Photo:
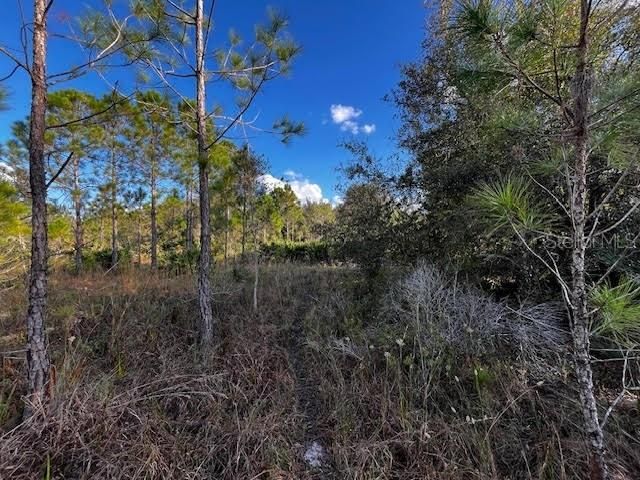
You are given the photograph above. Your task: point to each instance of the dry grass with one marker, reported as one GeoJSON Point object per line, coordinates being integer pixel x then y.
{"type": "Point", "coordinates": [136, 398]}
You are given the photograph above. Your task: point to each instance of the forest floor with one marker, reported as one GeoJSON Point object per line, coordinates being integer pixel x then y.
{"type": "Point", "coordinates": [315, 384]}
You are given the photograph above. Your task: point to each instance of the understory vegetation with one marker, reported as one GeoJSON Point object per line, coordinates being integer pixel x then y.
{"type": "Point", "coordinates": [429, 380]}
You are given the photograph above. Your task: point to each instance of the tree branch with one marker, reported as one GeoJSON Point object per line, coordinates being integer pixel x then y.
{"type": "Point", "coordinates": [88, 117]}
{"type": "Point", "coordinates": [240, 113]}
{"type": "Point", "coordinates": [62, 167]}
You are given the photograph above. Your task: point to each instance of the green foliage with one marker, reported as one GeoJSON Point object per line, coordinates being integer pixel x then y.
{"type": "Point", "coordinates": [13, 212]}
{"type": "Point", "coordinates": [618, 312]}
{"type": "Point", "coordinates": [510, 202]}
{"type": "Point", "coordinates": [308, 252]}
{"type": "Point", "coordinates": [102, 258]}
{"type": "Point", "coordinates": [289, 129]}
{"type": "Point", "coordinates": [477, 19]}
{"type": "Point", "coordinates": [181, 261]}
{"type": "Point", "coordinates": [364, 230]}
{"type": "Point", "coordinates": [3, 98]}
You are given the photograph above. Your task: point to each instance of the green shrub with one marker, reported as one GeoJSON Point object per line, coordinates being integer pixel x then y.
{"type": "Point", "coordinates": [307, 252]}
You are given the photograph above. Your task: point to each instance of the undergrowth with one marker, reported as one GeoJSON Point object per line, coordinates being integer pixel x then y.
{"type": "Point", "coordinates": [394, 395]}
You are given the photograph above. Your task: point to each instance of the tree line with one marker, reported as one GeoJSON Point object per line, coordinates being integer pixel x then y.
{"type": "Point", "coordinates": [126, 183]}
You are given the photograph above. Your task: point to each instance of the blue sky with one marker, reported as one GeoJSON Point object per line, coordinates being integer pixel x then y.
{"type": "Point", "coordinates": [352, 52]}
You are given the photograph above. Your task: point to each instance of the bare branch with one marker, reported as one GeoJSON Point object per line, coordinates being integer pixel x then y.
{"type": "Point", "coordinates": [15, 60]}
{"type": "Point", "coordinates": [7, 77]}
{"type": "Point", "coordinates": [60, 170]}
{"type": "Point", "coordinates": [507, 56]}
{"type": "Point", "coordinates": [619, 222]}
{"type": "Point", "coordinates": [551, 194]}
{"type": "Point", "coordinates": [596, 212]}
{"type": "Point", "coordinates": [240, 113]}
{"type": "Point", "coordinates": [615, 102]}
{"type": "Point", "coordinates": [622, 256]}
{"type": "Point", "coordinates": [181, 10]}
{"type": "Point", "coordinates": [88, 117]}
{"type": "Point", "coordinates": [622, 393]}
{"type": "Point", "coordinates": [48, 7]}
{"type": "Point", "coordinates": [209, 23]}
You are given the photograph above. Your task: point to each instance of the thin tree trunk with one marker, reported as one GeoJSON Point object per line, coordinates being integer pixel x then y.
{"type": "Point", "coordinates": [244, 224]}
{"type": "Point", "coordinates": [114, 213]}
{"type": "Point", "coordinates": [101, 233]}
{"type": "Point", "coordinates": [204, 266]}
{"type": "Point", "coordinates": [139, 238]}
{"type": "Point", "coordinates": [189, 218]}
{"type": "Point", "coordinates": [38, 362]}
{"type": "Point", "coordinates": [257, 263]}
{"type": "Point", "coordinates": [77, 203]}
{"type": "Point", "coordinates": [226, 234]}
{"type": "Point", "coordinates": [255, 281]}
{"type": "Point", "coordinates": [579, 307]}
{"type": "Point", "coordinates": [154, 217]}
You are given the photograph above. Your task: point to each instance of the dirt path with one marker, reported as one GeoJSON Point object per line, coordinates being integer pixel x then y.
{"type": "Point", "coordinates": [317, 456]}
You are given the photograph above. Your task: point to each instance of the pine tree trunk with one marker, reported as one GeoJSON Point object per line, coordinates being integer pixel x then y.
{"type": "Point", "coordinates": [226, 234]}
{"type": "Point", "coordinates": [189, 218]}
{"type": "Point", "coordinates": [38, 363]}
{"type": "Point", "coordinates": [114, 213]}
{"type": "Point", "coordinates": [204, 266]}
{"type": "Point", "coordinates": [579, 299]}
{"type": "Point", "coordinates": [154, 218]}
{"type": "Point", "coordinates": [255, 280]}
{"type": "Point", "coordinates": [244, 225]}
{"type": "Point", "coordinates": [77, 204]}
{"type": "Point", "coordinates": [101, 228]}
{"type": "Point", "coordinates": [139, 242]}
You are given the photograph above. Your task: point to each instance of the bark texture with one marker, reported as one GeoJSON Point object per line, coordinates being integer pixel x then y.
{"type": "Point", "coordinates": [579, 298]}
{"type": "Point", "coordinates": [189, 218]}
{"type": "Point", "coordinates": [77, 207]}
{"type": "Point", "coordinates": [38, 363]}
{"type": "Point", "coordinates": [114, 208]}
{"type": "Point", "coordinates": [154, 216]}
{"type": "Point", "coordinates": [204, 265]}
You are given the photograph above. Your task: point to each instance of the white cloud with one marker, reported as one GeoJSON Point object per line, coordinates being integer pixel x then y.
{"type": "Point", "coordinates": [270, 183]}
{"type": "Point", "coordinates": [350, 126]}
{"type": "Point", "coordinates": [336, 201]}
{"type": "Point", "coordinates": [292, 174]}
{"type": "Point", "coordinates": [344, 113]}
{"type": "Point", "coordinates": [346, 117]}
{"type": "Point", "coordinates": [306, 191]}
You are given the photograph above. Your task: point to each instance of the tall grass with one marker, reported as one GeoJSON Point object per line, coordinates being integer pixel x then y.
{"type": "Point", "coordinates": [396, 392]}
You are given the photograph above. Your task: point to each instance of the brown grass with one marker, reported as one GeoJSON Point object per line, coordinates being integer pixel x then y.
{"type": "Point", "coordinates": [137, 398]}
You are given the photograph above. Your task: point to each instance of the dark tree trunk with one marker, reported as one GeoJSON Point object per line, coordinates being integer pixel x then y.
{"type": "Point", "coordinates": [226, 234]}
{"type": "Point", "coordinates": [579, 298]}
{"type": "Point", "coordinates": [101, 233]}
{"type": "Point", "coordinates": [38, 363]}
{"type": "Point", "coordinates": [114, 210]}
{"type": "Point", "coordinates": [154, 217]}
{"type": "Point", "coordinates": [77, 206]}
{"type": "Point", "coordinates": [139, 242]}
{"type": "Point", "coordinates": [204, 266]}
{"type": "Point", "coordinates": [244, 224]}
{"type": "Point", "coordinates": [189, 218]}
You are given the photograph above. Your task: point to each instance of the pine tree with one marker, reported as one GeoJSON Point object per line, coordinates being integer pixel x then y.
{"type": "Point", "coordinates": [269, 56]}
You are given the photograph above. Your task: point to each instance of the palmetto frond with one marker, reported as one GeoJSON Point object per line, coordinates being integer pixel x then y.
{"type": "Point", "coordinates": [509, 202]}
